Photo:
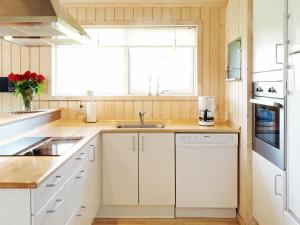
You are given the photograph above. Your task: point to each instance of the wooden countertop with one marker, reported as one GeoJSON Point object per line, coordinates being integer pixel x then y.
{"type": "Point", "coordinates": [6, 118]}
{"type": "Point", "coordinates": [30, 171]}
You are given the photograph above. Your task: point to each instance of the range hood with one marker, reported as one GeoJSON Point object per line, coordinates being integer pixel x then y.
{"type": "Point", "coordinates": [39, 23]}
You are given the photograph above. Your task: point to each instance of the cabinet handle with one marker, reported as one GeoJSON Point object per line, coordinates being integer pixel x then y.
{"type": "Point", "coordinates": [94, 153]}
{"type": "Point", "coordinates": [142, 143]}
{"type": "Point", "coordinates": [82, 155]}
{"type": "Point", "coordinates": [133, 143]}
{"type": "Point", "coordinates": [275, 190]}
{"type": "Point", "coordinates": [81, 175]}
{"type": "Point", "coordinates": [58, 205]}
{"type": "Point", "coordinates": [57, 180]}
{"type": "Point", "coordinates": [80, 214]}
{"type": "Point", "coordinates": [276, 53]}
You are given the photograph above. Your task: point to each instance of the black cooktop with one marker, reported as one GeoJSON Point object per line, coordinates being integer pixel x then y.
{"type": "Point", "coordinates": [39, 146]}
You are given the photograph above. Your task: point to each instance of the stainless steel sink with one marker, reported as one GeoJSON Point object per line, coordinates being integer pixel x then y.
{"type": "Point", "coordinates": [138, 125]}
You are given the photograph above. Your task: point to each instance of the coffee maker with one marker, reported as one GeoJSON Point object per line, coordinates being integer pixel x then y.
{"type": "Point", "coordinates": [207, 108]}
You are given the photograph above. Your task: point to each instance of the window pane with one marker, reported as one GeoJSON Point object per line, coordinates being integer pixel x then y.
{"type": "Point", "coordinates": [172, 68]}
{"type": "Point", "coordinates": [80, 69]}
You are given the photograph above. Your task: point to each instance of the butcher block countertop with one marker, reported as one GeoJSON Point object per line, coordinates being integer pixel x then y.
{"type": "Point", "coordinates": [30, 171]}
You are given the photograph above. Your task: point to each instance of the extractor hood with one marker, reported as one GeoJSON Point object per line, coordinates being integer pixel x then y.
{"type": "Point", "coordinates": [39, 23]}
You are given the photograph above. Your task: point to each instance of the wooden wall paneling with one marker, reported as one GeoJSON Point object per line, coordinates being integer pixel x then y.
{"type": "Point", "coordinates": [222, 67]}
{"type": "Point", "coordinates": [64, 109]}
{"type": "Point", "coordinates": [157, 14]}
{"type": "Point", "coordinates": [185, 14]}
{"type": "Point", "coordinates": [176, 110]}
{"type": "Point", "coordinates": [53, 104]}
{"type": "Point", "coordinates": [45, 69]}
{"type": "Point", "coordinates": [205, 72]}
{"type": "Point", "coordinates": [147, 13]}
{"type": "Point", "coordinates": [138, 14]}
{"type": "Point", "coordinates": [91, 14]}
{"type": "Point", "coordinates": [214, 57]}
{"type": "Point", "coordinates": [109, 110]}
{"type": "Point", "coordinates": [195, 14]}
{"type": "Point", "coordinates": [100, 110]}
{"type": "Point", "coordinates": [119, 110]}
{"type": "Point", "coordinates": [148, 108]}
{"type": "Point", "coordinates": [81, 14]}
{"type": "Point", "coordinates": [166, 110]}
{"type": "Point", "coordinates": [157, 110]}
{"type": "Point", "coordinates": [99, 14]}
{"type": "Point", "coordinates": [185, 107]}
{"type": "Point", "coordinates": [176, 14]}
{"type": "Point", "coordinates": [109, 13]}
{"type": "Point", "coordinates": [6, 69]}
{"type": "Point", "coordinates": [119, 14]}
{"type": "Point", "coordinates": [166, 14]}
{"type": "Point", "coordinates": [35, 59]}
{"type": "Point", "coordinates": [128, 13]}
{"type": "Point", "coordinates": [194, 110]}
{"type": "Point", "coordinates": [44, 104]}
{"type": "Point", "coordinates": [25, 59]}
{"type": "Point", "coordinates": [73, 108]}
{"type": "Point", "coordinates": [72, 11]}
{"type": "Point", "coordinates": [137, 106]}
{"type": "Point", "coordinates": [128, 110]}
{"type": "Point", "coordinates": [15, 68]}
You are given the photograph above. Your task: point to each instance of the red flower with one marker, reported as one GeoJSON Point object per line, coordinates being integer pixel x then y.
{"type": "Point", "coordinates": [40, 78]}
{"type": "Point", "coordinates": [13, 77]}
{"type": "Point", "coordinates": [27, 75]}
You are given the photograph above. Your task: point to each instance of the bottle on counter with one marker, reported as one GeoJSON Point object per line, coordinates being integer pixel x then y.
{"type": "Point", "coordinates": [91, 113]}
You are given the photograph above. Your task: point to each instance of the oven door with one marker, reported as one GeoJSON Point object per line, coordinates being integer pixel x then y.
{"type": "Point", "coordinates": [268, 129]}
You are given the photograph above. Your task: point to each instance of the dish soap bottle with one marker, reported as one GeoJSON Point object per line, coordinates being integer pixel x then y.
{"type": "Point", "coordinates": [91, 114]}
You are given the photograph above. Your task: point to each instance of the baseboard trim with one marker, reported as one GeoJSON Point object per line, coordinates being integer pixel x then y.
{"type": "Point", "coordinates": [205, 213]}
{"type": "Point", "coordinates": [240, 219]}
{"type": "Point", "coordinates": [136, 212]}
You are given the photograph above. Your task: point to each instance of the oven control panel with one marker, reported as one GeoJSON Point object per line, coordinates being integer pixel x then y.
{"type": "Point", "coordinates": [268, 89]}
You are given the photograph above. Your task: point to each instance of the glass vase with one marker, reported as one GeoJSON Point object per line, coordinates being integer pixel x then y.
{"type": "Point", "coordinates": [27, 96]}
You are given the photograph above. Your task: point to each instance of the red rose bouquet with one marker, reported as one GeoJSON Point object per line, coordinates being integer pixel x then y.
{"type": "Point", "coordinates": [27, 84]}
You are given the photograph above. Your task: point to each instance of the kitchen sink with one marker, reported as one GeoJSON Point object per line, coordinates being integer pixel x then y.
{"type": "Point", "coordinates": [139, 125]}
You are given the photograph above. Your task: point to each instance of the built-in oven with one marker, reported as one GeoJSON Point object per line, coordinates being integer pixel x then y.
{"type": "Point", "coordinates": [269, 121]}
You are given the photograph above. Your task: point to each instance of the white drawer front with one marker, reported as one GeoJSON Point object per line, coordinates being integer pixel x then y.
{"type": "Point", "coordinates": [47, 189]}
{"type": "Point", "coordinates": [77, 159]}
{"type": "Point", "coordinates": [53, 212]}
{"type": "Point", "coordinates": [74, 189]}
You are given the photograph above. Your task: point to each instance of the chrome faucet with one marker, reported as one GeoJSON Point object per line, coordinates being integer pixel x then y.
{"type": "Point", "coordinates": [142, 116]}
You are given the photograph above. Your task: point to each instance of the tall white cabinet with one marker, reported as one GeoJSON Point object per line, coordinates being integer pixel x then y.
{"type": "Point", "coordinates": [292, 213]}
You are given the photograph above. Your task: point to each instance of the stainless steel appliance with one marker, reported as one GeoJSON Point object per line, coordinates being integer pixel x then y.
{"type": "Point", "coordinates": [39, 146]}
{"type": "Point", "coordinates": [39, 23]}
{"type": "Point", "coordinates": [269, 121]}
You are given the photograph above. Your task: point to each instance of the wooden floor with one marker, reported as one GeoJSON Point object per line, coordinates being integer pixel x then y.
{"type": "Point", "coordinates": [178, 221]}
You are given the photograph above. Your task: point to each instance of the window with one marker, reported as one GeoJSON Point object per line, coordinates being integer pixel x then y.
{"type": "Point", "coordinates": [129, 61]}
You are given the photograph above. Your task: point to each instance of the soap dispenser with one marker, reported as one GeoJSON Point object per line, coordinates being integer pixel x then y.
{"type": "Point", "coordinates": [91, 114]}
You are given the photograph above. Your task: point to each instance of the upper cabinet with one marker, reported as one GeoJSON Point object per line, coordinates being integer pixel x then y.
{"type": "Point", "coordinates": [268, 34]}
{"type": "Point", "coordinates": [293, 25]}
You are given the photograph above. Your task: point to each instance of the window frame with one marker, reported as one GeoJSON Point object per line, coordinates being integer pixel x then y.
{"type": "Point", "coordinates": [126, 84]}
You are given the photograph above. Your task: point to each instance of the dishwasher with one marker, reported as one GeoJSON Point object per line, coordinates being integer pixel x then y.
{"type": "Point", "coordinates": [206, 175]}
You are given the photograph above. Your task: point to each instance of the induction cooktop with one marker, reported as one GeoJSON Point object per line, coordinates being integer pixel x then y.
{"type": "Point", "coordinates": [39, 146]}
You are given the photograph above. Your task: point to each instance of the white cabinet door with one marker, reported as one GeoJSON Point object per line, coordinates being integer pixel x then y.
{"type": "Point", "coordinates": [294, 25]}
{"type": "Point", "coordinates": [156, 169]}
{"type": "Point", "coordinates": [267, 191]}
{"type": "Point", "coordinates": [293, 136]}
{"type": "Point", "coordinates": [91, 192]}
{"type": "Point", "coordinates": [120, 169]}
{"type": "Point", "coordinates": [268, 19]}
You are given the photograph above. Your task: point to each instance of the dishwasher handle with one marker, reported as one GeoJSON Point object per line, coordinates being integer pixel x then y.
{"type": "Point", "coordinates": [207, 145]}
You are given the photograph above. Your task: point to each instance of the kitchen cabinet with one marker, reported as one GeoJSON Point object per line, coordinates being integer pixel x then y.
{"type": "Point", "coordinates": [293, 25]}
{"type": "Point", "coordinates": [156, 169]}
{"type": "Point", "coordinates": [267, 191]}
{"type": "Point", "coordinates": [70, 195]}
{"type": "Point", "coordinates": [138, 169]}
{"type": "Point", "coordinates": [268, 30]}
{"type": "Point", "coordinates": [120, 169]}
